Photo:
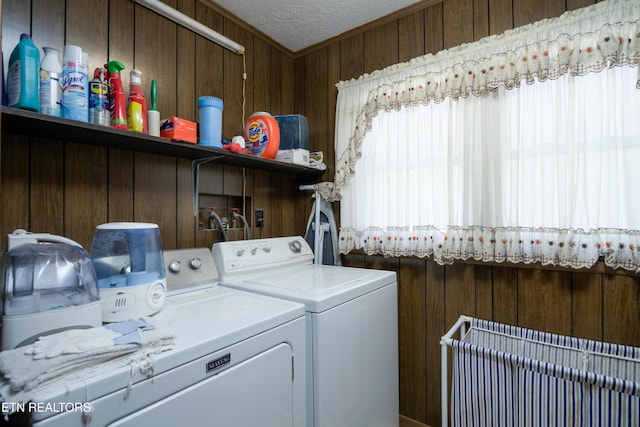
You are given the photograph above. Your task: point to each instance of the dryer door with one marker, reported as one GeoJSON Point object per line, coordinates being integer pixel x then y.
{"type": "Point", "coordinates": [257, 392]}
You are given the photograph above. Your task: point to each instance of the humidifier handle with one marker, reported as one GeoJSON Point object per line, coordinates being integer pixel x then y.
{"type": "Point", "coordinates": [21, 237]}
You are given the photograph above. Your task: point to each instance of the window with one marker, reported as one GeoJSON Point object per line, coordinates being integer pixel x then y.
{"type": "Point", "coordinates": [522, 147]}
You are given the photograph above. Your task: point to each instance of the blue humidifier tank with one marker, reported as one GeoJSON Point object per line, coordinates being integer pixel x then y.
{"type": "Point", "coordinates": [129, 264]}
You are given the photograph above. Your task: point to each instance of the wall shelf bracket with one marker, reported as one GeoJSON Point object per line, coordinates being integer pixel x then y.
{"type": "Point", "coordinates": [195, 171]}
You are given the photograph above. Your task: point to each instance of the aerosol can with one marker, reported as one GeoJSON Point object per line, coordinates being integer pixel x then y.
{"type": "Point", "coordinates": [99, 99]}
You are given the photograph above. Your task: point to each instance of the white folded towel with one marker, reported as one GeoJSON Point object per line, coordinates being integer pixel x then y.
{"type": "Point", "coordinates": [57, 359]}
{"type": "Point", "coordinates": [86, 340]}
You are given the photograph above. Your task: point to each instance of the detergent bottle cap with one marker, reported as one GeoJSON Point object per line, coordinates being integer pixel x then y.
{"type": "Point", "coordinates": [260, 113]}
{"type": "Point", "coordinates": [135, 76]}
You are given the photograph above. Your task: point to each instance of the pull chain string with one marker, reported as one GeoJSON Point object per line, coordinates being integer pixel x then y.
{"type": "Point", "coordinates": [244, 178]}
{"type": "Point", "coordinates": [244, 86]}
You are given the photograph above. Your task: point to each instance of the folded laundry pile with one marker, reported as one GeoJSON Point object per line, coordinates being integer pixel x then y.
{"type": "Point", "coordinates": [57, 359]}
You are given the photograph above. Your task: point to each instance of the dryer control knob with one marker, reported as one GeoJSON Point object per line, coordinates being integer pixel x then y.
{"type": "Point", "coordinates": [195, 263]}
{"type": "Point", "coordinates": [175, 266]}
{"type": "Point", "coordinates": [295, 246]}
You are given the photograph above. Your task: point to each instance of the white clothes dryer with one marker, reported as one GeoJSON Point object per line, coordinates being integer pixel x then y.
{"type": "Point", "coordinates": [238, 361]}
{"type": "Point", "coordinates": [352, 326]}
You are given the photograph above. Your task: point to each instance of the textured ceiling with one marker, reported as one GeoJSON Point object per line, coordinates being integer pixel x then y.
{"type": "Point", "coordinates": [298, 24]}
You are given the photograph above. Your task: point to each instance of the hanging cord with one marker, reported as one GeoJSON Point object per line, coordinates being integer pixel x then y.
{"type": "Point", "coordinates": [244, 178]}
{"type": "Point", "coordinates": [244, 194]}
{"type": "Point", "coordinates": [244, 86]}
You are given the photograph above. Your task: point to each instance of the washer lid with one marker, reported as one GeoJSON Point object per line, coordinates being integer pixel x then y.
{"type": "Point", "coordinates": [319, 287]}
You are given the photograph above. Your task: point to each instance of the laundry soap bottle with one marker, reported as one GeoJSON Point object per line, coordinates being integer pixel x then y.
{"type": "Point", "coordinates": [117, 100]}
{"type": "Point", "coordinates": [136, 104]}
{"type": "Point", "coordinates": [23, 81]}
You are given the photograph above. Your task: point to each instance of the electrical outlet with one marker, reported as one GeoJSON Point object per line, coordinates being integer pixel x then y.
{"type": "Point", "coordinates": [259, 218]}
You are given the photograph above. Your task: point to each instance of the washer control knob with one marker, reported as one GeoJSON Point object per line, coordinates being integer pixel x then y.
{"type": "Point", "coordinates": [175, 266]}
{"type": "Point", "coordinates": [253, 251]}
{"type": "Point", "coordinates": [195, 263]}
{"type": "Point", "coordinates": [240, 252]}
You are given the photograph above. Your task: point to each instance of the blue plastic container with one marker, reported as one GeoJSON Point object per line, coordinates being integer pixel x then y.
{"type": "Point", "coordinates": [23, 82]}
{"type": "Point", "coordinates": [210, 109]}
{"type": "Point", "coordinates": [294, 132]}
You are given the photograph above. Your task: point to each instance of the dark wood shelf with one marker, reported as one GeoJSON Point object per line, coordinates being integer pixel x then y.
{"type": "Point", "coordinates": [34, 124]}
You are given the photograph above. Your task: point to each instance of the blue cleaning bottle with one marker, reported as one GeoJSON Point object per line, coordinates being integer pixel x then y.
{"type": "Point", "coordinates": [23, 83]}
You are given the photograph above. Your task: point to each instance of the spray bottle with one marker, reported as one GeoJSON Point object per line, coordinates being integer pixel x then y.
{"type": "Point", "coordinates": [136, 104]}
{"type": "Point", "coordinates": [117, 100]}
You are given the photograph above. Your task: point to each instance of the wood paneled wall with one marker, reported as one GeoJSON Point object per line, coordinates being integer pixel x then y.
{"type": "Point", "coordinates": [67, 188]}
{"type": "Point", "coordinates": [49, 185]}
{"type": "Point", "coordinates": [598, 304]}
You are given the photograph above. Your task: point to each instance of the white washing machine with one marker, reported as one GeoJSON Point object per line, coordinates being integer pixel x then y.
{"type": "Point", "coordinates": [352, 326]}
{"type": "Point", "coordinates": [238, 361]}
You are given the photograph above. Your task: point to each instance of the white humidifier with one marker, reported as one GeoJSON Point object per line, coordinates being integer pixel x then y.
{"type": "Point", "coordinates": [49, 286]}
{"type": "Point", "coordinates": [129, 264]}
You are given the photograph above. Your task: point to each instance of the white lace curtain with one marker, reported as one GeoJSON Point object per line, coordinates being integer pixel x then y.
{"type": "Point", "coordinates": [451, 156]}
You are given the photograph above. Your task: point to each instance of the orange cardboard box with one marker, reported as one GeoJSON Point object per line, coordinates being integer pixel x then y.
{"type": "Point", "coordinates": [178, 129]}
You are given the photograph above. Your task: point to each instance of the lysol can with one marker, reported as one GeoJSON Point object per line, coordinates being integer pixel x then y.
{"type": "Point", "coordinates": [99, 99]}
{"type": "Point", "coordinates": [75, 85]}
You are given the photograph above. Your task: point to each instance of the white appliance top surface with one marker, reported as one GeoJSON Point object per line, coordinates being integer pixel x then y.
{"type": "Point", "coordinates": [213, 318]}
{"type": "Point", "coordinates": [318, 287]}
{"type": "Point", "coordinates": [204, 321]}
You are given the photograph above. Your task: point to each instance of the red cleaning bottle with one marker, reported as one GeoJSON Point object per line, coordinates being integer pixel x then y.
{"type": "Point", "coordinates": [136, 104]}
{"type": "Point", "coordinates": [117, 100]}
